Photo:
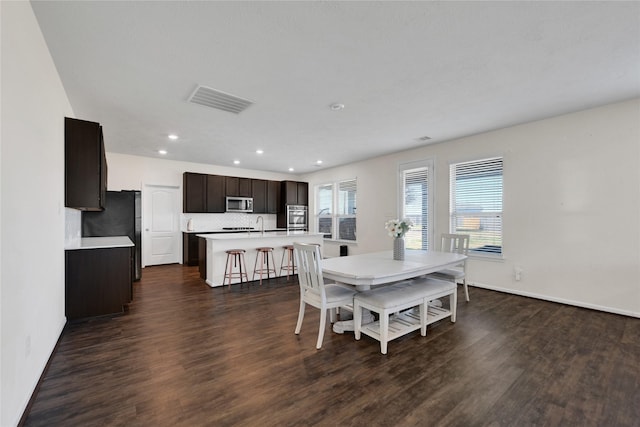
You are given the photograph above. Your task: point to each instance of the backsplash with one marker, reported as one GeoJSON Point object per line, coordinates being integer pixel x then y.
{"type": "Point", "coordinates": [212, 222]}
{"type": "Point", "coordinates": [72, 227]}
{"type": "Point", "coordinates": [201, 222]}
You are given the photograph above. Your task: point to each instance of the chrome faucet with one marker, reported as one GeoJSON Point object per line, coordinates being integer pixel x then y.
{"type": "Point", "coordinates": [261, 224]}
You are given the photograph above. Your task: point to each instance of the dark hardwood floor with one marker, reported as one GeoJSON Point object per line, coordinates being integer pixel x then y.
{"type": "Point", "coordinates": [188, 355]}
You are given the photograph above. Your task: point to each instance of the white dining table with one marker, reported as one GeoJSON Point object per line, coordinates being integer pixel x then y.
{"type": "Point", "coordinates": [365, 271]}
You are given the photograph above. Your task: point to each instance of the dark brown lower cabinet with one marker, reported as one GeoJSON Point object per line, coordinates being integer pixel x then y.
{"type": "Point", "coordinates": [189, 249]}
{"type": "Point", "coordinates": [98, 281]}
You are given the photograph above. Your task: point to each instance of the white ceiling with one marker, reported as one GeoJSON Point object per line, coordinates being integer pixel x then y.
{"type": "Point", "coordinates": [403, 70]}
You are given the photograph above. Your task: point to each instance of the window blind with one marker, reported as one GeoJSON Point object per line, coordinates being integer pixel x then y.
{"type": "Point", "coordinates": [416, 206]}
{"type": "Point", "coordinates": [476, 203]}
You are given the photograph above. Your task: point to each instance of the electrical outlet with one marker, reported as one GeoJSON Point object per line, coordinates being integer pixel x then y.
{"type": "Point", "coordinates": [517, 270]}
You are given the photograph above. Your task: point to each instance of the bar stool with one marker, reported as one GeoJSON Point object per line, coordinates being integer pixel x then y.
{"type": "Point", "coordinates": [291, 262]}
{"type": "Point", "coordinates": [264, 254]}
{"type": "Point", "coordinates": [235, 258]}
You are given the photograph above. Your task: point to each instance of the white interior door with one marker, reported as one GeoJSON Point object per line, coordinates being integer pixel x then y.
{"type": "Point", "coordinates": [161, 231]}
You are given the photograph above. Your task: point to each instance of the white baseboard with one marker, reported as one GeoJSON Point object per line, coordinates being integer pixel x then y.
{"type": "Point", "coordinates": [558, 300]}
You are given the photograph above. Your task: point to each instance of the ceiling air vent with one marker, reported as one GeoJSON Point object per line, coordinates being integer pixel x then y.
{"type": "Point", "coordinates": [220, 100]}
{"type": "Point", "coordinates": [424, 138]}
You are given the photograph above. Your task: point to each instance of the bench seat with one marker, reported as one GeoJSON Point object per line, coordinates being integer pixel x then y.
{"type": "Point", "coordinates": [391, 300]}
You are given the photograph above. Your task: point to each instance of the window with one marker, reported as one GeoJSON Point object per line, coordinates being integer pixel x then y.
{"type": "Point", "coordinates": [336, 210]}
{"type": "Point", "coordinates": [417, 202]}
{"type": "Point", "coordinates": [476, 204]}
{"type": "Point", "coordinates": [324, 203]}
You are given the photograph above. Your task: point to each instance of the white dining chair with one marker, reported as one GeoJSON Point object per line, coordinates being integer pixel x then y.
{"type": "Point", "coordinates": [313, 290]}
{"type": "Point", "coordinates": [456, 243]}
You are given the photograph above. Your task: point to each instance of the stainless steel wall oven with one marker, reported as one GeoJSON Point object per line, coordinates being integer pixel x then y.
{"type": "Point", "coordinates": [296, 217]}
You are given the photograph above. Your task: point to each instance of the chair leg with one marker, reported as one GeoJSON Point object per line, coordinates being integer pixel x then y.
{"type": "Point", "coordinates": [466, 288]}
{"type": "Point", "coordinates": [384, 331]}
{"type": "Point", "coordinates": [300, 316]}
{"type": "Point", "coordinates": [323, 322]}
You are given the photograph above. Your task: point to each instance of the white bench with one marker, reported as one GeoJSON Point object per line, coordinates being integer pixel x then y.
{"type": "Point", "coordinates": [402, 296]}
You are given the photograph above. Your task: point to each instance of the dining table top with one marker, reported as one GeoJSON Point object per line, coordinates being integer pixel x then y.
{"type": "Point", "coordinates": [377, 268]}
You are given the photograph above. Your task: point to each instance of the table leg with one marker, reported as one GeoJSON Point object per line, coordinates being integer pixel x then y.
{"type": "Point", "coordinates": [347, 325]}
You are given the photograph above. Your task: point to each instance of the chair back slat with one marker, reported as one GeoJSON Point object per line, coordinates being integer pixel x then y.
{"type": "Point", "coordinates": [456, 243]}
{"type": "Point", "coordinates": [309, 268]}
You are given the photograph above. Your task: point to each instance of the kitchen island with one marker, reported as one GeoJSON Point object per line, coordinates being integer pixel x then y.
{"type": "Point", "coordinates": [218, 244]}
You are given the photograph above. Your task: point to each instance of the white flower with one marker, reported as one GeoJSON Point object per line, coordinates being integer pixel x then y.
{"type": "Point", "coordinates": [398, 228]}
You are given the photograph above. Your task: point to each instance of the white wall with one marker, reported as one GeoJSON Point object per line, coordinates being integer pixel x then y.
{"type": "Point", "coordinates": [132, 172]}
{"type": "Point", "coordinates": [34, 105]}
{"type": "Point", "coordinates": [571, 205]}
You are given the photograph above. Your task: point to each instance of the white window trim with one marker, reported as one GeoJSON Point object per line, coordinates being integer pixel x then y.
{"type": "Point", "coordinates": [334, 209]}
{"type": "Point", "coordinates": [487, 256]}
{"type": "Point", "coordinates": [430, 165]}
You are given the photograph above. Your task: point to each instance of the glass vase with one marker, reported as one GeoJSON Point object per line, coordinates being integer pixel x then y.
{"type": "Point", "coordinates": [398, 249]}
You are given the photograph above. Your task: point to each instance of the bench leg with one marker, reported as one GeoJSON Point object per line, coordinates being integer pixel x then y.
{"type": "Point", "coordinates": [384, 331]}
{"type": "Point", "coordinates": [357, 319]}
{"type": "Point", "coordinates": [423, 318]}
{"type": "Point", "coordinates": [453, 305]}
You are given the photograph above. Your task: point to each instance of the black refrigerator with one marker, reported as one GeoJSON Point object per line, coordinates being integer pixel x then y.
{"type": "Point", "coordinates": [122, 216]}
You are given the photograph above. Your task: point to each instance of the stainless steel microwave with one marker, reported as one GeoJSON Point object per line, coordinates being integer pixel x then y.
{"type": "Point", "coordinates": [239, 204]}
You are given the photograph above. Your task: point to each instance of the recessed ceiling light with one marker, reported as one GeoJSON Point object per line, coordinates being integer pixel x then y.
{"type": "Point", "coordinates": [236, 162]}
{"type": "Point", "coordinates": [318, 162]}
{"type": "Point", "coordinates": [336, 107]}
{"type": "Point", "coordinates": [163, 152]}
{"type": "Point", "coordinates": [259, 151]}
{"type": "Point", "coordinates": [291, 169]}
{"type": "Point", "coordinates": [173, 136]}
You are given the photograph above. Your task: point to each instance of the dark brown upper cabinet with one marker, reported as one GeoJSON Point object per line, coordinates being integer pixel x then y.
{"type": "Point", "coordinates": [204, 193]}
{"type": "Point", "coordinates": [294, 193]}
{"type": "Point", "coordinates": [216, 200]}
{"type": "Point", "coordinates": [85, 165]}
{"type": "Point", "coordinates": [194, 192]}
{"type": "Point", "coordinates": [273, 196]}
{"type": "Point", "coordinates": [238, 187]}
{"type": "Point", "coordinates": [303, 193]}
{"type": "Point", "coordinates": [259, 194]}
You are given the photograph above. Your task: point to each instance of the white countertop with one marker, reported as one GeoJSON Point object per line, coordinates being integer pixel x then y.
{"type": "Point", "coordinates": [219, 230]}
{"type": "Point", "coordinates": [256, 235]}
{"type": "Point", "coordinates": [100, 243]}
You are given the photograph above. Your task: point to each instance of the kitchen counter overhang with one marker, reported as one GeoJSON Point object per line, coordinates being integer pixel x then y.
{"type": "Point", "coordinates": [99, 243]}
{"type": "Point", "coordinates": [218, 244]}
